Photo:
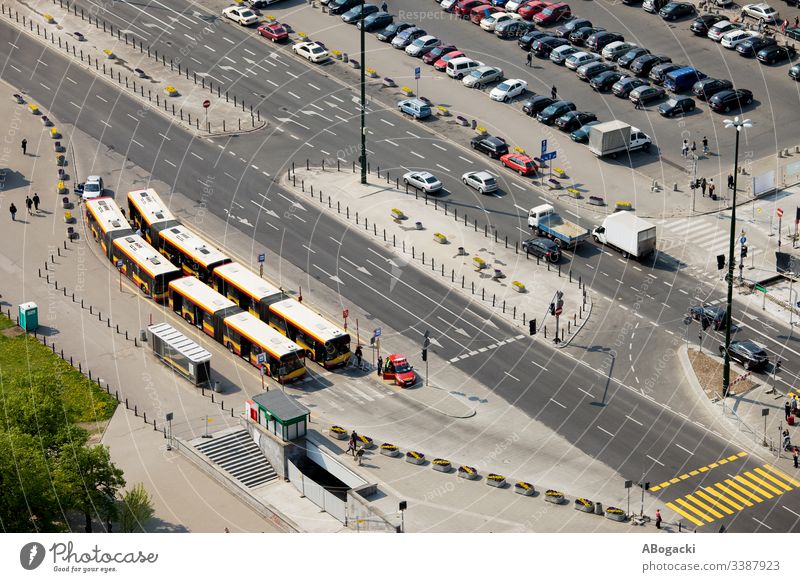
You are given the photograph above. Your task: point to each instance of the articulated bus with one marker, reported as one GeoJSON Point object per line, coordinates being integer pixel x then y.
{"type": "Point", "coordinates": [201, 306]}
{"type": "Point", "coordinates": [145, 266]}
{"type": "Point", "coordinates": [324, 343]}
{"type": "Point", "coordinates": [149, 214]}
{"type": "Point", "coordinates": [190, 253]}
{"type": "Point", "coordinates": [248, 290]}
{"type": "Point", "coordinates": [106, 222]}
{"type": "Point", "coordinates": [250, 338]}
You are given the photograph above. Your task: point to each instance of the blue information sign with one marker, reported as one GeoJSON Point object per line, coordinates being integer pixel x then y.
{"type": "Point", "coordinates": [743, 240]}
{"type": "Point", "coordinates": [417, 72]}
{"type": "Point", "coordinates": [262, 257]}
{"type": "Point", "coordinates": [548, 156]}
{"type": "Point", "coordinates": [544, 146]}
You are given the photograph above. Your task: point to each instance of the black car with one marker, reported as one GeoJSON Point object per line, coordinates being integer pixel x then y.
{"type": "Point", "coordinates": [748, 353]}
{"type": "Point", "coordinates": [565, 30]}
{"type": "Point", "coordinates": [642, 66]}
{"type": "Point", "coordinates": [749, 47]}
{"type": "Point", "coordinates": [627, 59]}
{"type": "Point", "coordinates": [358, 13]}
{"type": "Point", "coordinates": [586, 72]}
{"type": "Point", "coordinates": [388, 33]}
{"type": "Point", "coordinates": [536, 104]}
{"type": "Point", "coordinates": [542, 247]}
{"type": "Point", "coordinates": [704, 89]}
{"type": "Point", "coordinates": [730, 99]}
{"type": "Point", "coordinates": [675, 10]}
{"type": "Point", "coordinates": [526, 41]}
{"type": "Point", "coordinates": [631, 2]}
{"type": "Point", "coordinates": [342, 6]}
{"type": "Point", "coordinates": [775, 54]}
{"type": "Point", "coordinates": [701, 24]}
{"type": "Point", "coordinates": [605, 80]}
{"type": "Point", "coordinates": [544, 46]}
{"type": "Point", "coordinates": [658, 74]}
{"type": "Point", "coordinates": [624, 86]}
{"type": "Point", "coordinates": [549, 114]}
{"type": "Point", "coordinates": [572, 120]}
{"type": "Point", "coordinates": [514, 29]}
{"type": "Point", "coordinates": [709, 315]}
{"type": "Point", "coordinates": [648, 94]}
{"type": "Point", "coordinates": [794, 72]}
{"type": "Point", "coordinates": [376, 21]}
{"type": "Point", "coordinates": [676, 106]}
{"type": "Point", "coordinates": [492, 146]}
{"type": "Point", "coordinates": [578, 36]}
{"type": "Point", "coordinates": [598, 41]}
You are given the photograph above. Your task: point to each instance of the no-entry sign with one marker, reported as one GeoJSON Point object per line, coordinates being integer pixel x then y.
{"type": "Point", "coordinates": [206, 104]}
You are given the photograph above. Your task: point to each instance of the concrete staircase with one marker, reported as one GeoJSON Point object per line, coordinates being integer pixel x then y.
{"type": "Point", "coordinates": [236, 452]}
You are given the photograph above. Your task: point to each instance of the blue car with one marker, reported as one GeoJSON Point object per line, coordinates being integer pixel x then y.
{"type": "Point", "coordinates": [499, 3]}
{"type": "Point", "coordinates": [416, 108]}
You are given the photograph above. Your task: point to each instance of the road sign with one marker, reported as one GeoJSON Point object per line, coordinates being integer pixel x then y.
{"type": "Point", "coordinates": [206, 104]}
{"type": "Point", "coordinates": [377, 332]}
{"type": "Point", "coordinates": [544, 146]}
{"type": "Point", "coordinates": [261, 358]}
{"type": "Point", "coordinates": [119, 264]}
{"type": "Point", "coordinates": [262, 257]}
{"type": "Point", "coordinates": [417, 72]}
{"type": "Point", "coordinates": [547, 156]}
{"type": "Point", "coordinates": [559, 310]}
{"type": "Point", "coordinates": [780, 212]}
{"type": "Point", "coordinates": [742, 240]}
{"type": "Point", "coordinates": [345, 313]}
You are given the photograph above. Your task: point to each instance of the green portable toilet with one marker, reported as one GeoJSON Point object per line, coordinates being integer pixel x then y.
{"type": "Point", "coordinates": [29, 316]}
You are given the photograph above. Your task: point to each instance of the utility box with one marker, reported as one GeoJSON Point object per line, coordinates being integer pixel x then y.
{"type": "Point", "coordinates": [29, 316]}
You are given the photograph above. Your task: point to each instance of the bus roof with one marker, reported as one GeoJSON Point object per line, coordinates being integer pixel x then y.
{"type": "Point", "coordinates": [193, 245]}
{"type": "Point", "coordinates": [304, 318]}
{"type": "Point", "coordinates": [262, 334]}
{"type": "Point", "coordinates": [246, 280]}
{"type": "Point", "coordinates": [150, 205]}
{"type": "Point", "coordinates": [201, 294]}
{"type": "Point", "coordinates": [138, 250]}
{"type": "Point", "coordinates": [107, 214]}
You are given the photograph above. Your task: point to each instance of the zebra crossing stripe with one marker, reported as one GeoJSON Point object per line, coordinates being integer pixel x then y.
{"type": "Point", "coordinates": [782, 475]}
{"type": "Point", "coordinates": [714, 502]}
{"type": "Point", "coordinates": [733, 494]}
{"type": "Point", "coordinates": [763, 483]}
{"type": "Point", "coordinates": [733, 504]}
{"type": "Point", "coordinates": [766, 475]}
{"type": "Point", "coordinates": [696, 511]}
{"type": "Point", "coordinates": [686, 515]}
{"type": "Point", "coordinates": [710, 510]}
{"type": "Point", "coordinates": [741, 489]}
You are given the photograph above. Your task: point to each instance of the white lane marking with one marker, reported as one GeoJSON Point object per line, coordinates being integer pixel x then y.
{"type": "Point", "coordinates": [164, 136]}
{"type": "Point", "coordinates": [291, 74]}
{"type": "Point", "coordinates": [67, 78]}
{"type": "Point", "coordinates": [612, 435]}
{"type": "Point", "coordinates": [309, 249]}
{"type": "Point", "coordinates": [790, 511]}
{"type": "Point", "coordinates": [196, 61]}
{"type": "Point", "coordinates": [442, 167]}
{"type": "Point", "coordinates": [101, 99]}
{"type": "Point", "coordinates": [45, 86]}
{"type": "Point", "coordinates": [338, 242]}
{"type": "Point", "coordinates": [684, 449]}
{"type": "Point", "coordinates": [209, 48]}
{"type": "Point", "coordinates": [510, 376]}
{"type": "Point", "coordinates": [557, 402]}
{"type": "Point", "coordinates": [254, 166]}
{"type": "Point", "coordinates": [170, 163]}
{"type": "Point", "coordinates": [654, 460]}
{"type": "Point", "coordinates": [586, 392]}
{"type": "Point", "coordinates": [668, 284]}
{"type": "Point", "coordinates": [249, 52]}
{"type": "Point", "coordinates": [633, 420]}
{"type": "Point", "coordinates": [334, 97]}
{"type": "Point", "coordinates": [413, 153]}
{"type": "Point", "coordinates": [78, 106]}
{"type": "Point", "coordinates": [412, 134]}
{"type": "Point", "coordinates": [387, 122]}
{"type": "Point", "coordinates": [293, 95]}
{"type": "Point", "coordinates": [436, 145]}
{"type": "Point", "coordinates": [42, 62]}
{"type": "Point", "coordinates": [226, 39]}
{"type": "Point", "coordinates": [195, 155]}
{"type": "Point", "coordinates": [465, 159]}
{"type": "Point", "coordinates": [517, 185]}
{"type": "Point", "coordinates": [271, 82]}
{"type": "Point", "coordinates": [391, 142]}
{"type": "Point", "coordinates": [314, 87]}
{"type": "Point", "coordinates": [762, 523]}
{"type": "Point", "coordinates": [188, 36]}
{"type": "Point", "coordinates": [107, 124]}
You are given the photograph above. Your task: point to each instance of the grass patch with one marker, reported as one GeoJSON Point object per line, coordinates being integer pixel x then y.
{"type": "Point", "coordinates": [24, 359]}
{"type": "Point", "coordinates": [708, 371]}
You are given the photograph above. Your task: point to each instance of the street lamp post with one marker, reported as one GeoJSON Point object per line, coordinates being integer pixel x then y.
{"type": "Point", "coordinates": [738, 124]}
{"type": "Point", "coordinates": [363, 103]}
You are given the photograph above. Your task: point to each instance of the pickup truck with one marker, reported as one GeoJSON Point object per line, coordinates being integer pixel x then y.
{"type": "Point", "coordinates": [630, 235]}
{"type": "Point", "coordinates": [545, 221]}
{"type": "Point", "coordinates": [613, 137]}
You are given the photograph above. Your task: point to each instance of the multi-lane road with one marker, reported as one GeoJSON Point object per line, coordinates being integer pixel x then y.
{"type": "Point", "coordinates": [610, 419]}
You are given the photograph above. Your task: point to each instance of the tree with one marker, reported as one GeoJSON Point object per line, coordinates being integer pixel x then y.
{"type": "Point", "coordinates": [89, 481]}
{"type": "Point", "coordinates": [137, 508]}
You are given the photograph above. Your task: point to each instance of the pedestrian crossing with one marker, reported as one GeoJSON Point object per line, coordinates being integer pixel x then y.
{"type": "Point", "coordinates": [698, 471]}
{"type": "Point", "coordinates": [343, 396]}
{"type": "Point", "coordinates": [707, 233]}
{"type": "Point", "coordinates": [724, 498]}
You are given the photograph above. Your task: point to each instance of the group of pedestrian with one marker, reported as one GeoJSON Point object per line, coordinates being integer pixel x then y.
{"type": "Point", "coordinates": [352, 446]}
{"type": "Point", "coordinates": [32, 204]}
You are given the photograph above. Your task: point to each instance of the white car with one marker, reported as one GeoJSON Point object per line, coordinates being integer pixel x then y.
{"type": "Point", "coordinates": [513, 5]}
{"type": "Point", "coordinates": [507, 90]}
{"type": "Point", "coordinates": [423, 180]}
{"type": "Point", "coordinates": [579, 59]}
{"type": "Point", "coordinates": [559, 54]}
{"type": "Point", "coordinates": [243, 16]}
{"type": "Point", "coordinates": [482, 76]}
{"type": "Point", "coordinates": [763, 12]}
{"type": "Point", "coordinates": [422, 45]}
{"type": "Point", "coordinates": [311, 51]}
{"type": "Point", "coordinates": [93, 187]}
{"type": "Point", "coordinates": [447, 4]}
{"type": "Point", "coordinates": [490, 22]}
{"type": "Point", "coordinates": [616, 49]}
{"type": "Point", "coordinates": [721, 28]}
{"type": "Point", "coordinates": [730, 39]}
{"type": "Point", "coordinates": [482, 181]}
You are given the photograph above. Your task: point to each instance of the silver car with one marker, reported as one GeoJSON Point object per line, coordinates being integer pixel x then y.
{"type": "Point", "coordinates": [422, 45]}
{"type": "Point", "coordinates": [482, 76]}
{"type": "Point", "coordinates": [482, 181]}
{"type": "Point", "coordinates": [579, 59]}
{"type": "Point", "coordinates": [559, 54]}
{"type": "Point", "coordinates": [423, 181]}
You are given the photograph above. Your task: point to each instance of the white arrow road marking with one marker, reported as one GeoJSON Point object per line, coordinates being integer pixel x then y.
{"type": "Point", "coordinates": [292, 202]}
{"type": "Point", "coordinates": [333, 278]}
{"type": "Point", "coordinates": [272, 213]}
{"type": "Point", "coordinates": [290, 120]}
{"type": "Point", "coordinates": [328, 119]}
{"type": "Point", "coordinates": [359, 268]}
{"type": "Point", "coordinates": [456, 329]}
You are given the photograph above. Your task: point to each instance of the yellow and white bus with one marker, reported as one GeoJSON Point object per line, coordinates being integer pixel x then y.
{"type": "Point", "coordinates": [201, 306]}
{"type": "Point", "coordinates": [190, 252]}
{"type": "Point", "coordinates": [254, 340]}
{"type": "Point", "coordinates": [106, 222]}
{"type": "Point", "coordinates": [248, 290]}
{"type": "Point", "coordinates": [149, 214]}
{"type": "Point", "coordinates": [145, 266]}
{"type": "Point", "coordinates": [324, 342]}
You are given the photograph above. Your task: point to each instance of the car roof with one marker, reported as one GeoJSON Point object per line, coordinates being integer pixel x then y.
{"type": "Point", "coordinates": [749, 345]}
{"type": "Point", "coordinates": [483, 175]}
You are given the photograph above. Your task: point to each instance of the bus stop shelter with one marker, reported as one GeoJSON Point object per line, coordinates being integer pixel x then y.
{"type": "Point", "coordinates": [280, 414]}
{"type": "Point", "coordinates": [180, 353]}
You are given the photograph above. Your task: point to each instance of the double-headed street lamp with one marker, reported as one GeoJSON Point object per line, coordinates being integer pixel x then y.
{"type": "Point", "coordinates": [363, 155]}
{"type": "Point", "coordinates": [738, 124]}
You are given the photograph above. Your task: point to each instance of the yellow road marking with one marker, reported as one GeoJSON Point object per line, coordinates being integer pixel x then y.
{"type": "Point", "coordinates": [722, 461]}
{"type": "Point", "coordinates": [713, 465]}
{"type": "Point", "coordinates": [711, 510]}
{"type": "Point", "coordinates": [693, 473]}
{"type": "Point", "coordinates": [766, 475]}
{"type": "Point", "coordinates": [713, 502]}
{"type": "Point", "coordinates": [679, 511]}
{"type": "Point", "coordinates": [674, 480]}
{"type": "Point", "coordinates": [703, 469]}
{"type": "Point", "coordinates": [684, 476]}
{"type": "Point", "coordinates": [694, 510]}
{"type": "Point", "coordinates": [734, 494]}
{"type": "Point", "coordinates": [725, 499]}
{"type": "Point", "coordinates": [754, 487]}
{"type": "Point", "coordinates": [742, 454]}
{"type": "Point", "coordinates": [782, 475]}
{"type": "Point", "coordinates": [763, 483]}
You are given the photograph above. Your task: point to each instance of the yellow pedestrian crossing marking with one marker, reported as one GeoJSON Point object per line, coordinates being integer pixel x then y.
{"type": "Point", "coordinates": [699, 470]}
{"type": "Point", "coordinates": [719, 500]}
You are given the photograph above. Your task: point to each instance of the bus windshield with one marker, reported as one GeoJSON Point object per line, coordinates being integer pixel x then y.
{"type": "Point", "coordinates": [338, 346]}
{"type": "Point", "coordinates": [291, 362]}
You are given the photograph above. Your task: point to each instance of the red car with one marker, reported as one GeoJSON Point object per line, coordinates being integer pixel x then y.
{"type": "Point", "coordinates": [553, 13]}
{"type": "Point", "coordinates": [464, 7]}
{"type": "Point", "coordinates": [531, 9]}
{"type": "Point", "coordinates": [273, 31]}
{"type": "Point", "coordinates": [480, 12]}
{"type": "Point", "coordinates": [398, 369]}
{"type": "Point", "coordinates": [520, 163]}
{"type": "Point", "coordinates": [441, 64]}
{"type": "Point", "coordinates": [437, 53]}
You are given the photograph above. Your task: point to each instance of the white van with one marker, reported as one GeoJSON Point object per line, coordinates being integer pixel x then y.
{"type": "Point", "coordinates": [461, 66]}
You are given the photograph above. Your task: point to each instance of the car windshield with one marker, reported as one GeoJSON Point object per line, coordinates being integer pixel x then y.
{"type": "Point", "coordinates": [317, 50]}
{"type": "Point", "coordinates": [504, 86]}
{"type": "Point", "coordinates": [247, 13]}
{"type": "Point", "coordinates": [278, 30]}
{"type": "Point", "coordinates": [547, 11]}
{"type": "Point", "coordinates": [402, 367]}
{"type": "Point", "coordinates": [430, 179]}
{"type": "Point", "coordinates": [91, 187]}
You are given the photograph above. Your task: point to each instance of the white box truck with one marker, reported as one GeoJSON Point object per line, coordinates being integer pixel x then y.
{"type": "Point", "coordinates": [630, 235]}
{"type": "Point", "coordinates": [613, 137]}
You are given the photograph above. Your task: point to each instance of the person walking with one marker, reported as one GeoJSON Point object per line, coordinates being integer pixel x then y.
{"type": "Point", "coordinates": [24, 147]}
{"type": "Point", "coordinates": [685, 148]}
{"type": "Point", "coordinates": [385, 7]}
{"type": "Point", "coordinates": [694, 147]}
{"type": "Point", "coordinates": [351, 444]}
{"type": "Point", "coordinates": [358, 455]}
{"type": "Point", "coordinates": [36, 202]}
{"type": "Point", "coordinates": [528, 58]}
{"type": "Point", "coordinates": [705, 145]}
{"type": "Point", "coordinates": [786, 409]}
{"type": "Point", "coordinates": [637, 104]}
{"type": "Point", "coordinates": [553, 93]}
{"type": "Point", "coordinates": [730, 181]}
{"type": "Point", "coordinates": [658, 519]}
{"type": "Point", "coordinates": [711, 188]}
{"type": "Point", "coordinates": [13, 210]}
{"type": "Point", "coordinates": [29, 204]}
{"type": "Point", "coordinates": [359, 355]}
{"type": "Point", "coordinates": [703, 185]}
{"type": "Point", "coordinates": [794, 457]}
{"type": "Point", "coordinates": [797, 21]}
{"type": "Point", "coordinates": [379, 365]}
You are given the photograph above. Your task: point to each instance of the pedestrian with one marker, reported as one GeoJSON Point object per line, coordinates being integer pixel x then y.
{"type": "Point", "coordinates": [358, 455]}
{"type": "Point", "coordinates": [730, 181]}
{"type": "Point", "coordinates": [351, 444]}
{"type": "Point", "coordinates": [685, 148]}
{"type": "Point", "coordinates": [13, 210]}
{"type": "Point", "coordinates": [359, 355]}
{"type": "Point", "coordinates": [24, 147]}
{"type": "Point", "coordinates": [528, 58]}
{"type": "Point", "coordinates": [29, 204]}
{"type": "Point", "coordinates": [227, 530]}
{"type": "Point", "coordinates": [637, 104]}
{"type": "Point", "coordinates": [380, 366]}
{"type": "Point", "coordinates": [553, 93]}
{"type": "Point", "coordinates": [793, 407]}
{"type": "Point", "coordinates": [703, 185]}
{"type": "Point", "coordinates": [711, 188]}
{"type": "Point", "coordinates": [794, 457]}
{"type": "Point", "coordinates": [742, 16]}
{"type": "Point", "coordinates": [784, 24]}
{"type": "Point", "coordinates": [36, 201]}
{"type": "Point", "coordinates": [658, 519]}
{"type": "Point", "coordinates": [787, 409]}
{"type": "Point", "coordinates": [385, 7]}
{"type": "Point", "coordinates": [797, 21]}
{"type": "Point", "coordinates": [694, 147]}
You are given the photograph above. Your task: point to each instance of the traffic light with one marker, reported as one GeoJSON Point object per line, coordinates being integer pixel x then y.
{"type": "Point", "coordinates": [744, 251]}
{"type": "Point", "coordinates": [705, 323]}
{"type": "Point", "coordinates": [720, 262]}
{"type": "Point", "coordinates": [424, 355]}
{"type": "Point", "coordinates": [532, 326]}
{"type": "Point", "coordinates": [552, 309]}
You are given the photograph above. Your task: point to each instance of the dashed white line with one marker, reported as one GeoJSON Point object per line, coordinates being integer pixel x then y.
{"type": "Point", "coordinates": [209, 48]}
{"type": "Point", "coordinates": [164, 136]}
{"type": "Point", "coordinates": [195, 155]}
{"type": "Point", "coordinates": [309, 249]}
{"type": "Point", "coordinates": [654, 460]}
{"type": "Point", "coordinates": [684, 449]}
{"type": "Point", "coordinates": [137, 143]}
{"type": "Point", "coordinates": [633, 420]}
{"type": "Point", "coordinates": [557, 402]}
{"type": "Point", "coordinates": [271, 82]}
{"type": "Point", "coordinates": [605, 431]}
{"type": "Point", "coordinates": [78, 106]}
{"type": "Point", "coordinates": [249, 52]}
{"type": "Point", "coordinates": [510, 376]}
{"type": "Point", "coordinates": [762, 523]}
{"type": "Point", "coordinates": [442, 167]}
{"type": "Point", "coordinates": [226, 39]}
{"type": "Point", "coordinates": [293, 95]}
{"type": "Point", "coordinates": [107, 124]}
{"type": "Point", "coordinates": [170, 163]}
{"type": "Point", "coordinates": [413, 153]}
{"type": "Point", "coordinates": [387, 122]}
{"type": "Point", "coordinates": [20, 70]}
{"type": "Point", "coordinates": [465, 159]}
{"type": "Point", "coordinates": [45, 86]}
{"type": "Point", "coordinates": [586, 392]}
{"type": "Point", "coordinates": [436, 145]}
{"type": "Point", "coordinates": [391, 142]}
{"type": "Point", "coordinates": [67, 78]}
{"type": "Point", "coordinates": [314, 87]}
{"type": "Point", "coordinates": [291, 74]}
{"type": "Point", "coordinates": [101, 99]}
{"type": "Point", "coordinates": [42, 62]}
{"type": "Point", "coordinates": [412, 134]}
